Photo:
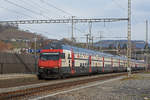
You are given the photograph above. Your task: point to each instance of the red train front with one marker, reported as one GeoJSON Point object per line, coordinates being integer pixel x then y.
{"type": "Point", "coordinates": [49, 62]}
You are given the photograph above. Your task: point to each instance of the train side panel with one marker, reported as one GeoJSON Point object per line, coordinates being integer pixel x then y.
{"type": "Point", "coordinates": [76, 63]}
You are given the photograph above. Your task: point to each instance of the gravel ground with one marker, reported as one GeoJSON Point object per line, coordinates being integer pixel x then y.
{"type": "Point", "coordinates": [137, 87]}
{"type": "Point", "coordinates": [13, 82]}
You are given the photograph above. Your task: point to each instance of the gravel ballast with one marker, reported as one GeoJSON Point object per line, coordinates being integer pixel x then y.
{"type": "Point", "coordinates": [137, 87]}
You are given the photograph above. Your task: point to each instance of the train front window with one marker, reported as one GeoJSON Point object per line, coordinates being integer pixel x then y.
{"type": "Point", "coordinates": [49, 56]}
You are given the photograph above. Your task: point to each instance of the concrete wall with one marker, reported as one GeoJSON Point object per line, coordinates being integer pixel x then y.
{"type": "Point", "coordinates": [16, 63]}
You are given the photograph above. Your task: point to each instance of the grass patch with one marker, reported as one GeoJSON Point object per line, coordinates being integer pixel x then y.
{"type": "Point", "coordinates": [148, 72]}
{"type": "Point", "coordinates": [144, 95]}
{"type": "Point", "coordinates": [133, 77]}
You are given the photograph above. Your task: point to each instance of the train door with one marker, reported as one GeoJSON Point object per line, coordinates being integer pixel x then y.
{"type": "Point", "coordinates": [103, 64]}
{"type": "Point", "coordinates": [112, 64]}
{"type": "Point", "coordinates": [73, 62]}
{"type": "Point", "coordinates": [89, 64]}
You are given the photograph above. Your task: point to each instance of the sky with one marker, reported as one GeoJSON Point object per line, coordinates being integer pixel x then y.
{"type": "Point", "coordinates": [54, 9]}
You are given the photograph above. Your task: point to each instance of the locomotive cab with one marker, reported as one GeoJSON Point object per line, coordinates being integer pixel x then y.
{"type": "Point", "coordinates": [49, 60]}
{"type": "Point", "coordinates": [49, 63]}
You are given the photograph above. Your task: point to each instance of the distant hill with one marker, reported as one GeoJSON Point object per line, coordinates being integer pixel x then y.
{"type": "Point", "coordinates": [106, 43]}
{"type": "Point", "coordinates": [8, 32]}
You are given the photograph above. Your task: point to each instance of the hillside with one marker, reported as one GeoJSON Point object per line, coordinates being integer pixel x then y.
{"type": "Point", "coordinates": [8, 32]}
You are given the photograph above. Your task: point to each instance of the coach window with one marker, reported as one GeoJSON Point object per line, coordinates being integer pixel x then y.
{"type": "Point", "coordinates": [68, 56]}
{"type": "Point", "coordinates": [69, 63]}
{"type": "Point", "coordinates": [80, 64]}
{"type": "Point", "coordinates": [83, 64]}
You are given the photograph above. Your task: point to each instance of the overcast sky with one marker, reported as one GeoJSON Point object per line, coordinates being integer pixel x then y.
{"type": "Point", "coordinates": [46, 9]}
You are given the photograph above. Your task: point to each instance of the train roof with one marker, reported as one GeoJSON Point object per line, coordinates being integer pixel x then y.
{"type": "Point", "coordinates": [60, 45]}
{"type": "Point", "coordinates": [81, 50]}
{"type": "Point", "coordinates": [85, 51]}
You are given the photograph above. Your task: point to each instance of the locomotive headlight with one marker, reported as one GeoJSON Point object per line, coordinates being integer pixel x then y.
{"type": "Point", "coordinates": [41, 69]}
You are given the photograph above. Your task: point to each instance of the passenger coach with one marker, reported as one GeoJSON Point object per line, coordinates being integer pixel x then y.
{"type": "Point", "coordinates": [60, 60]}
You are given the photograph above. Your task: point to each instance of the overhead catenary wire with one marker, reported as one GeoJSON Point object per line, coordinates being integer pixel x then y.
{"type": "Point", "coordinates": [79, 30]}
{"type": "Point", "coordinates": [53, 6]}
{"type": "Point", "coordinates": [33, 4]}
{"type": "Point", "coordinates": [124, 9]}
{"type": "Point", "coordinates": [40, 32]}
{"type": "Point", "coordinates": [17, 12]}
{"type": "Point", "coordinates": [115, 2]}
{"type": "Point", "coordinates": [29, 10]}
{"type": "Point", "coordinates": [44, 8]}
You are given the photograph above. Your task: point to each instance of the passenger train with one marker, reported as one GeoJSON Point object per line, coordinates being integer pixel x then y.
{"type": "Point", "coordinates": [61, 60]}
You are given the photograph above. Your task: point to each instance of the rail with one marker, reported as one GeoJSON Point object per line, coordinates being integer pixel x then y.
{"type": "Point", "coordinates": [21, 94]}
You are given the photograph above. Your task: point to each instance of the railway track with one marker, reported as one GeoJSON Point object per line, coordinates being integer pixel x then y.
{"type": "Point", "coordinates": [31, 92]}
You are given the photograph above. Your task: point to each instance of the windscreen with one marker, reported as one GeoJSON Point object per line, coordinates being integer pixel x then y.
{"type": "Point", "coordinates": [49, 56]}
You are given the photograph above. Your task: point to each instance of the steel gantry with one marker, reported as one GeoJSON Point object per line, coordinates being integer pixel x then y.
{"type": "Point", "coordinates": [70, 20]}
{"type": "Point", "coordinates": [64, 21]}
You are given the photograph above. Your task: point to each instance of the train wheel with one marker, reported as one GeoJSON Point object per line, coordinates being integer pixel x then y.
{"type": "Point", "coordinates": [63, 77]}
{"type": "Point", "coordinates": [40, 77]}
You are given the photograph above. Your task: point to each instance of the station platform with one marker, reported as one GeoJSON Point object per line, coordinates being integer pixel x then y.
{"type": "Point", "coordinates": [7, 80]}
{"type": "Point", "coordinates": [16, 76]}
